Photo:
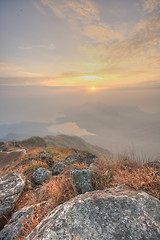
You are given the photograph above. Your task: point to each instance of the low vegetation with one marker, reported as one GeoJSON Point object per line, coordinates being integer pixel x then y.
{"type": "Point", "coordinates": [108, 173]}
{"type": "Point", "coordinates": [133, 173]}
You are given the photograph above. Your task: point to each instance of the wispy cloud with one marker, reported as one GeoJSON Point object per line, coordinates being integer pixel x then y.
{"type": "Point", "coordinates": [108, 53]}
{"type": "Point", "coordinates": [101, 33]}
{"type": "Point", "coordinates": [9, 67]}
{"type": "Point", "coordinates": [150, 5]}
{"type": "Point", "coordinates": [83, 10]}
{"type": "Point", "coordinates": [83, 16]}
{"type": "Point", "coordinates": [145, 85]}
{"type": "Point", "coordinates": [12, 74]}
{"type": "Point", "coordinates": [134, 58]}
{"type": "Point", "coordinates": [20, 81]}
{"type": "Point", "coordinates": [39, 7]}
{"type": "Point", "coordinates": [91, 78]}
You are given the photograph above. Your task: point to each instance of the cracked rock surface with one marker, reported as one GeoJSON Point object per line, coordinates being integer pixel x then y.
{"type": "Point", "coordinates": [114, 214]}
{"type": "Point", "coordinates": [11, 186]}
{"type": "Point", "coordinates": [15, 227]}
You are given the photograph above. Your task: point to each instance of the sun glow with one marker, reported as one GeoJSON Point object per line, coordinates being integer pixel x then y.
{"type": "Point", "coordinates": [93, 88]}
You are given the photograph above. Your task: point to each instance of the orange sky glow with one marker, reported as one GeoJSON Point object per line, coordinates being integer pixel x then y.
{"type": "Point", "coordinates": [109, 44]}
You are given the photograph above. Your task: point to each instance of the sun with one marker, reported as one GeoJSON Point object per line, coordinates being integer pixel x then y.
{"type": "Point", "coordinates": [93, 88]}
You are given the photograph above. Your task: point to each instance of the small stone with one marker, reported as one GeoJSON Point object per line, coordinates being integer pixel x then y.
{"type": "Point", "coordinates": [58, 168]}
{"type": "Point", "coordinates": [72, 158]}
{"type": "Point", "coordinates": [82, 180]}
{"type": "Point", "coordinates": [40, 176]}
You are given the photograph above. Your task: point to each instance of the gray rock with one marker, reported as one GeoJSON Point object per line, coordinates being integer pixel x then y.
{"type": "Point", "coordinates": [82, 180]}
{"type": "Point", "coordinates": [72, 158]}
{"type": "Point", "coordinates": [93, 167]}
{"type": "Point", "coordinates": [40, 176]}
{"type": "Point", "coordinates": [11, 186]}
{"type": "Point", "coordinates": [118, 213]}
{"type": "Point", "coordinates": [15, 227]}
{"type": "Point", "coordinates": [58, 168]}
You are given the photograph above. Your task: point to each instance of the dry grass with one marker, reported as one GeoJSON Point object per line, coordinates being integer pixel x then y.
{"type": "Point", "coordinates": [79, 165]}
{"type": "Point", "coordinates": [59, 154]}
{"type": "Point", "coordinates": [129, 172]}
{"type": "Point", "coordinates": [28, 163]}
{"type": "Point", "coordinates": [60, 189]}
{"type": "Point", "coordinates": [140, 178]}
{"type": "Point", "coordinates": [57, 191]}
{"type": "Point", "coordinates": [39, 212]}
{"type": "Point", "coordinates": [109, 173]}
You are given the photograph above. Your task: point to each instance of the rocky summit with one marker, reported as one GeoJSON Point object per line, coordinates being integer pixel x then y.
{"type": "Point", "coordinates": [117, 213]}
{"type": "Point", "coordinates": [65, 194]}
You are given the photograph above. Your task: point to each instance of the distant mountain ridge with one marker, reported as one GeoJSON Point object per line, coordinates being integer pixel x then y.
{"type": "Point", "coordinates": [119, 128]}
{"type": "Point", "coordinates": [14, 137]}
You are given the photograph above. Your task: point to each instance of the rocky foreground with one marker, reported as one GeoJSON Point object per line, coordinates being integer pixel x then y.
{"type": "Point", "coordinates": [116, 213]}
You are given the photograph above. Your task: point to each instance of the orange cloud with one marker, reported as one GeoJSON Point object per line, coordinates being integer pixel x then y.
{"type": "Point", "coordinates": [101, 33]}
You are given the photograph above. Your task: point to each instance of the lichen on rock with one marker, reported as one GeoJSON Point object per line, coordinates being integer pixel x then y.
{"type": "Point", "coordinates": [118, 213]}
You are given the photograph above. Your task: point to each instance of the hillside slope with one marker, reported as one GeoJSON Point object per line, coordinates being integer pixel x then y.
{"type": "Point", "coordinates": [33, 142]}
{"type": "Point", "coordinates": [65, 141]}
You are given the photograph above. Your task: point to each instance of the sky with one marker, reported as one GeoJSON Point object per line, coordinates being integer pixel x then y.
{"type": "Point", "coordinates": [58, 55]}
{"type": "Point", "coordinates": [83, 43]}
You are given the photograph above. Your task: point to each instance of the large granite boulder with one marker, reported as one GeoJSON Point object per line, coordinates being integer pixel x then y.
{"type": "Point", "coordinates": [16, 226]}
{"type": "Point", "coordinates": [82, 180]}
{"type": "Point", "coordinates": [40, 176]}
{"type": "Point", "coordinates": [11, 186]}
{"type": "Point", "coordinates": [118, 213]}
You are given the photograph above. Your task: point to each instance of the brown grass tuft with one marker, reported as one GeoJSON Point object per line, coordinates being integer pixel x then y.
{"type": "Point", "coordinates": [57, 191]}
{"type": "Point", "coordinates": [129, 172]}
{"type": "Point", "coordinates": [60, 189]}
{"type": "Point", "coordinates": [36, 217]}
{"type": "Point", "coordinates": [140, 178]}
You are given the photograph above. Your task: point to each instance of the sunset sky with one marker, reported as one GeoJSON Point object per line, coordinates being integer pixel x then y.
{"type": "Point", "coordinates": [89, 68]}
{"type": "Point", "coordinates": [88, 43]}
